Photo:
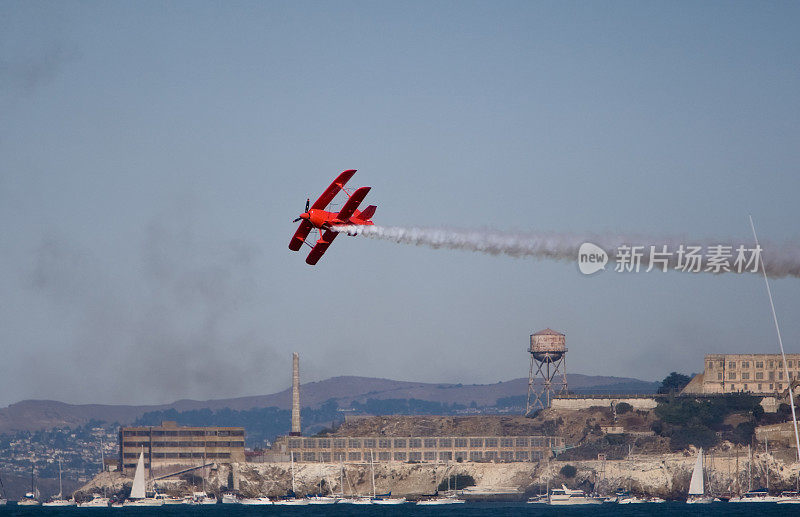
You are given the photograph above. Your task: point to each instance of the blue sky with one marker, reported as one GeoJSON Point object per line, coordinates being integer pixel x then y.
{"type": "Point", "coordinates": [152, 156]}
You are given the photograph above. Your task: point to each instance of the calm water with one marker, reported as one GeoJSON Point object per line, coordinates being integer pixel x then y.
{"type": "Point", "coordinates": [468, 509]}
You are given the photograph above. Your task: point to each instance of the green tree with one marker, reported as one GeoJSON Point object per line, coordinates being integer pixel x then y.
{"type": "Point", "coordinates": [623, 407]}
{"type": "Point", "coordinates": [674, 382]}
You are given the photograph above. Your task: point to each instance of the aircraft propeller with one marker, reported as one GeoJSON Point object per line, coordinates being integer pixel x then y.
{"type": "Point", "coordinates": [308, 202]}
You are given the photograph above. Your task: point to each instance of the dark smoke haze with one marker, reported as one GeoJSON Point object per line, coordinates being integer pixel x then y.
{"type": "Point", "coordinates": [179, 334]}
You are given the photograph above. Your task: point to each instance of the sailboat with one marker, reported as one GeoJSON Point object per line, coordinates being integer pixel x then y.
{"type": "Point", "coordinates": [449, 498]}
{"type": "Point", "coordinates": [138, 495]}
{"type": "Point", "coordinates": [31, 498]}
{"type": "Point", "coordinates": [382, 498]}
{"type": "Point", "coordinates": [98, 501]}
{"type": "Point", "coordinates": [322, 499]}
{"type": "Point", "coordinates": [293, 500]}
{"type": "Point", "coordinates": [697, 491]}
{"type": "Point", "coordinates": [59, 500]}
{"type": "Point", "coordinates": [203, 497]}
{"type": "Point", "coordinates": [348, 499]}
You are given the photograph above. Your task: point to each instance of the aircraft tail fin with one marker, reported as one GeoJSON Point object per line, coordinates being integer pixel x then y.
{"type": "Point", "coordinates": [368, 212]}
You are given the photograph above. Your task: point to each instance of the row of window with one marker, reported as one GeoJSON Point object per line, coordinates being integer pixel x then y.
{"type": "Point", "coordinates": [326, 457]}
{"type": "Point", "coordinates": [758, 364]}
{"type": "Point", "coordinates": [234, 432]}
{"type": "Point", "coordinates": [175, 455]}
{"type": "Point", "coordinates": [745, 376]}
{"type": "Point", "coordinates": [417, 443]}
{"type": "Point", "coordinates": [760, 389]}
{"type": "Point", "coordinates": [183, 444]}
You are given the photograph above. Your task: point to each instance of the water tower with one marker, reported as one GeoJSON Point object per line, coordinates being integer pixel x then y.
{"type": "Point", "coordinates": [548, 364]}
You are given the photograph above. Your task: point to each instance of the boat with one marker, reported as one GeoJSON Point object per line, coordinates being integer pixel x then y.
{"type": "Point", "coordinates": [631, 499]}
{"type": "Point", "coordinates": [358, 500]}
{"type": "Point", "coordinates": [255, 501]}
{"type": "Point", "coordinates": [97, 501]}
{"type": "Point", "coordinates": [450, 496]}
{"type": "Point", "coordinates": [31, 498]}
{"type": "Point", "coordinates": [292, 500]}
{"type": "Point", "coordinates": [138, 495]}
{"type": "Point", "coordinates": [204, 498]}
{"type": "Point", "coordinates": [322, 499]}
{"type": "Point", "coordinates": [789, 499]}
{"type": "Point", "coordinates": [755, 496]}
{"type": "Point", "coordinates": [389, 500]}
{"type": "Point", "coordinates": [451, 499]}
{"type": "Point", "coordinates": [229, 498]}
{"type": "Point", "coordinates": [170, 500]}
{"type": "Point", "coordinates": [59, 500]}
{"type": "Point", "coordinates": [564, 496]}
{"type": "Point", "coordinates": [625, 497]}
{"type": "Point", "coordinates": [697, 491]}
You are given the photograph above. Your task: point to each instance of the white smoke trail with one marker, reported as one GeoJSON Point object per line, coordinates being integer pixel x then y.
{"type": "Point", "coordinates": [780, 261]}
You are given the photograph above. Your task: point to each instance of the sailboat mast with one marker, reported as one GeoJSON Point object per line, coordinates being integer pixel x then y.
{"type": "Point", "coordinates": [749, 468]}
{"type": "Point", "coordinates": [60, 489]}
{"type": "Point", "coordinates": [372, 465]}
{"type": "Point", "coordinates": [780, 342]}
{"type": "Point", "coordinates": [294, 492]}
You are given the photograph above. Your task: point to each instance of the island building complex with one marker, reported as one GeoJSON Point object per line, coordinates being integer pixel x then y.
{"type": "Point", "coordinates": [761, 374]}
{"type": "Point", "coordinates": [422, 449]}
{"type": "Point", "coordinates": [402, 448]}
{"type": "Point", "coordinates": [170, 447]}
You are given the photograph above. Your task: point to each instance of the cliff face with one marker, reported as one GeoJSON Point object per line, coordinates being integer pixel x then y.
{"type": "Point", "coordinates": [662, 475]}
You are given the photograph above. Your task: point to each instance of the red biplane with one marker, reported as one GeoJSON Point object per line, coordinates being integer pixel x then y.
{"type": "Point", "coordinates": [315, 216]}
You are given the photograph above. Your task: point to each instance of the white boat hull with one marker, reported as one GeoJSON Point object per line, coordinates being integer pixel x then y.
{"type": "Point", "coordinates": [291, 502]}
{"type": "Point", "coordinates": [143, 502]}
{"type": "Point", "coordinates": [700, 500]}
{"type": "Point", "coordinates": [399, 500]}
{"type": "Point", "coordinates": [444, 500]}
{"type": "Point", "coordinates": [256, 501]}
{"type": "Point", "coordinates": [101, 502]}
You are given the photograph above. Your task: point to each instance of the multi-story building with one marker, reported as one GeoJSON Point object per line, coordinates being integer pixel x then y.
{"type": "Point", "coordinates": [169, 447]}
{"type": "Point", "coordinates": [424, 449]}
{"type": "Point", "coordinates": [749, 373]}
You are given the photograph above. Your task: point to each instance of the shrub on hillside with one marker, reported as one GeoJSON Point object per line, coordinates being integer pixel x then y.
{"type": "Point", "coordinates": [568, 471]}
{"type": "Point", "coordinates": [624, 407]}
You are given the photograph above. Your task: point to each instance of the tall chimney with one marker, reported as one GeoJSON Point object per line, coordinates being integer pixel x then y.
{"type": "Point", "coordinates": [295, 395]}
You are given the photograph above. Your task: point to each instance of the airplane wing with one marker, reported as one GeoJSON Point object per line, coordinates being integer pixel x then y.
{"type": "Point", "coordinates": [321, 247]}
{"type": "Point", "coordinates": [300, 235]}
{"type": "Point", "coordinates": [352, 203]}
{"type": "Point", "coordinates": [333, 189]}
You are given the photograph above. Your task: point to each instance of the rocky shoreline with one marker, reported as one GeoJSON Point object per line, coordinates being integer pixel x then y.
{"type": "Point", "coordinates": [665, 475]}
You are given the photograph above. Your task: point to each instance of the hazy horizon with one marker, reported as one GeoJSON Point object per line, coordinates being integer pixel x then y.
{"type": "Point", "coordinates": [153, 156]}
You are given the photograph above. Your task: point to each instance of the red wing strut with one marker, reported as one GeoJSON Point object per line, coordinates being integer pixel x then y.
{"type": "Point", "coordinates": [333, 189]}
{"type": "Point", "coordinates": [352, 203]}
{"type": "Point", "coordinates": [321, 247]}
{"type": "Point", "coordinates": [300, 235]}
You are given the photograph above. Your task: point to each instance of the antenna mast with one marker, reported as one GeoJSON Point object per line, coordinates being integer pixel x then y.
{"type": "Point", "coordinates": [780, 341]}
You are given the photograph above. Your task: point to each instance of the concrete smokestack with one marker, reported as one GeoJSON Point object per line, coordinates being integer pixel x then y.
{"type": "Point", "coordinates": [295, 395]}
